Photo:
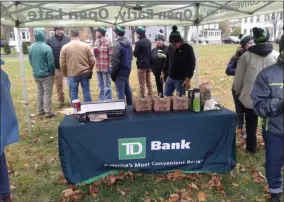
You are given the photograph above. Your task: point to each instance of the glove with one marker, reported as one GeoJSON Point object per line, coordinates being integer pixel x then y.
{"type": "Point", "coordinates": [186, 84]}
{"type": "Point", "coordinates": [161, 55]}
{"type": "Point", "coordinates": [109, 70]}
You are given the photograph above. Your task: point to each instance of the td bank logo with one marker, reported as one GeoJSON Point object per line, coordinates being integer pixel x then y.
{"type": "Point", "coordinates": [135, 148]}
{"type": "Point", "coordinates": [132, 148]}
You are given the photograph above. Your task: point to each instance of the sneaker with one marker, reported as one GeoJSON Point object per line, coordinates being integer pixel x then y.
{"type": "Point", "coordinates": [49, 115]}
{"type": "Point", "coordinates": [40, 113]}
{"type": "Point", "coordinates": [275, 198]}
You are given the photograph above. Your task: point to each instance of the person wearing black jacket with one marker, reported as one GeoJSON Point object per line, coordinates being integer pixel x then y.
{"type": "Point", "coordinates": [142, 52]}
{"type": "Point", "coordinates": [180, 65]}
{"type": "Point", "coordinates": [158, 58]}
{"type": "Point", "coordinates": [56, 42]}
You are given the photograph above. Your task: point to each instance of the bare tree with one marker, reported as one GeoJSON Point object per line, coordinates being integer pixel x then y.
{"type": "Point", "coordinates": [93, 33]}
{"type": "Point", "coordinates": [276, 19]}
{"type": "Point", "coordinates": [133, 34]}
{"type": "Point", "coordinates": [7, 31]}
{"type": "Point", "coordinates": [186, 29]}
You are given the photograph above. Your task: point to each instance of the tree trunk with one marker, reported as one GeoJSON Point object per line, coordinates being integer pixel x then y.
{"type": "Point", "coordinates": [7, 31]}
{"type": "Point", "coordinates": [133, 34]}
{"type": "Point", "coordinates": [186, 28]}
{"type": "Point", "coordinates": [93, 33]}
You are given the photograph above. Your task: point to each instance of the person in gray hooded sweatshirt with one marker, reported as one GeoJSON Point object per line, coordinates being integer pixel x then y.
{"type": "Point", "coordinates": [250, 64]}
{"type": "Point", "coordinates": [121, 65]}
{"type": "Point", "coordinates": [268, 103]}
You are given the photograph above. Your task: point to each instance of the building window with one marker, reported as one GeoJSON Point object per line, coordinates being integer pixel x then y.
{"type": "Point", "coordinates": [281, 15]}
{"type": "Point", "coordinates": [23, 35]}
{"type": "Point", "coordinates": [51, 33]}
{"type": "Point", "coordinates": [245, 31]}
{"type": "Point", "coordinates": [266, 17]}
{"type": "Point", "coordinates": [251, 19]}
{"type": "Point", "coordinates": [12, 36]}
{"type": "Point", "coordinates": [149, 35]}
{"type": "Point", "coordinates": [246, 20]}
{"type": "Point", "coordinates": [250, 31]}
{"type": "Point", "coordinates": [258, 18]}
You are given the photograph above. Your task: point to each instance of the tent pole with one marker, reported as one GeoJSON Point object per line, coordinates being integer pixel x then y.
{"type": "Point", "coordinates": [197, 57]}
{"type": "Point", "coordinates": [23, 80]}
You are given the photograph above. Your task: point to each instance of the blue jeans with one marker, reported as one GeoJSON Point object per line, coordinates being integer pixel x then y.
{"type": "Point", "coordinates": [104, 86]}
{"type": "Point", "coordinates": [123, 89]}
{"type": "Point", "coordinates": [172, 85]}
{"type": "Point", "coordinates": [4, 179]}
{"type": "Point", "coordinates": [74, 82]}
{"type": "Point", "coordinates": [240, 110]}
{"type": "Point", "coordinates": [274, 146]}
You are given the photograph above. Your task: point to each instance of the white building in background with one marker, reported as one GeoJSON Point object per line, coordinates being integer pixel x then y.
{"type": "Point", "coordinates": [26, 35]}
{"type": "Point", "coordinates": [266, 21]}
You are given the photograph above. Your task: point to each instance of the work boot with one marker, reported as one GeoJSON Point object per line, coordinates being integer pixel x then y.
{"type": "Point", "coordinates": [275, 198]}
{"type": "Point", "coordinates": [40, 113]}
{"type": "Point", "coordinates": [49, 115]}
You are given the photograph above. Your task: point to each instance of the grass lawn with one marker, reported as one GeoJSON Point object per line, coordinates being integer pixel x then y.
{"type": "Point", "coordinates": [37, 177]}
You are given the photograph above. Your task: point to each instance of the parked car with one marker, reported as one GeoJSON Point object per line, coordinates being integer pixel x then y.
{"type": "Point", "coordinates": [2, 43]}
{"type": "Point", "coordinates": [235, 39]}
{"type": "Point", "coordinates": [226, 40]}
{"type": "Point", "coordinates": [201, 40]}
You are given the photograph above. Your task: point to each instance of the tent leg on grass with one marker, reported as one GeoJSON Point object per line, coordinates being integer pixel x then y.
{"type": "Point", "coordinates": [197, 57]}
{"type": "Point", "coordinates": [23, 80]}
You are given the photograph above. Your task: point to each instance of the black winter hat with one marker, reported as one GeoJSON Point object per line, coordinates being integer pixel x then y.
{"type": "Point", "coordinates": [56, 28]}
{"type": "Point", "coordinates": [175, 35]}
{"type": "Point", "coordinates": [260, 35]}
{"type": "Point", "coordinates": [160, 37]}
{"type": "Point", "coordinates": [141, 30]}
{"type": "Point", "coordinates": [120, 31]}
{"type": "Point", "coordinates": [102, 30]}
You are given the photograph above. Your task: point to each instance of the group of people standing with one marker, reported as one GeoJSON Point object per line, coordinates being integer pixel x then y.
{"type": "Point", "coordinates": [62, 57]}
{"type": "Point", "coordinates": [258, 72]}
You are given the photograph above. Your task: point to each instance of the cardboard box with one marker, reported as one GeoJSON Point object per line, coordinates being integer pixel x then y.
{"type": "Point", "coordinates": [161, 104]}
{"type": "Point", "coordinates": [180, 103]}
{"type": "Point", "coordinates": [142, 104]}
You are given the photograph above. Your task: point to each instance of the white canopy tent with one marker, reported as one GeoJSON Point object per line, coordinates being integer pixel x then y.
{"type": "Point", "coordinates": [86, 13]}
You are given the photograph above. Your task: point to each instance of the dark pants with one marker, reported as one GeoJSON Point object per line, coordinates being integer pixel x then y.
{"type": "Point", "coordinates": [4, 179]}
{"type": "Point", "coordinates": [274, 146]}
{"type": "Point", "coordinates": [123, 89]}
{"type": "Point", "coordinates": [251, 127]}
{"type": "Point", "coordinates": [240, 110]}
{"type": "Point", "coordinates": [172, 85]}
{"type": "Point", "coordinates": [74, 82]}
{"type": "Point", "coordinates": [159, 83]}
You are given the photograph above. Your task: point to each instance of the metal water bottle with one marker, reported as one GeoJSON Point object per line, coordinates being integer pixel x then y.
{"type": "Point", "coordinates": [196, 100]}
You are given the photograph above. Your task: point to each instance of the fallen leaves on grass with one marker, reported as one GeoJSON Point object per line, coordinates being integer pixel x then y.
{"type": "Point", "coordinates": [26, 164]}
{"type": "Point", "coordinates": [61, 180]}
{"type": "Point", "coordinates": [71, 195]}
{"type": "Point", "coordinates": [94, 190]}
{"type": "Point", "coordinates": [201, 196]}
{"type": "Point", "coordinates": [257, 176]}
{"type": "Point", "coordinates": [192, 186]}
{"type": "Point", "coordinates": [12, 187]}
{"type": "Point", "coordinates": [215, 184]}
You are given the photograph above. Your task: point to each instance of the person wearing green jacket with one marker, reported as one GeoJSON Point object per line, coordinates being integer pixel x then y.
{"type": "Point", "coordinates": [42, 62]}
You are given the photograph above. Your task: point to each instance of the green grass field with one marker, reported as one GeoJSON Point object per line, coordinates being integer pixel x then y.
{"type": "Point", "coordinates": [36, 175]}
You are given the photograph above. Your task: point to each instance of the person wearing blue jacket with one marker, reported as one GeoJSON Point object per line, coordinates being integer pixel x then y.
{"type": "Point", "coordinates": [9, 133]}
{"type": "Point", "coordinates": [268, 103]}
{"type": "Point", "coordinates": [42, 61]}
{"type": "Point", "coordinates": [246, 42]}
{"type": "Point", "coordinates": [121, 65]}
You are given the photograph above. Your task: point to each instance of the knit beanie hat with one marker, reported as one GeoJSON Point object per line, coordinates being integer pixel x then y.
{"type": "Point", "coordinates": [175, 35]}
{"type": "Point", "coordinates": [56, 28]}
{"type": "Point", "coordinates": [245, 39]}
{"type": "Point", "coordinates": [160, 37]}
{"type": "Point", "coordinates": [141, 30]}
{"type": "Point", "coordinates": [102, 30]}
{"type": "Point", "coordinates": [260, 35]}
{"type": "Point", "coordinates": [120, 31]}
{"type": "Point", "coordinates": [281, 44]}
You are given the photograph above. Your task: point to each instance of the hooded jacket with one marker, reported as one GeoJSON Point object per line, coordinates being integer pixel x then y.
{"type": "Point", "coordinates": [121, 58]}
{"type": "Point", "coordinates": [157, 64]}
{"type": "Point", "coordinates": [9, 124]}
{"type": "Point", "coordinates": [267, 94]}
{"type": "Point", "coordinates": [142, 52]}
{"type": "Point", "coordinates": [56, 44]}
{"type": "Point", "coordinates": [250, 64]}
{"type": "Point", "coordinates": [41, 56]}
